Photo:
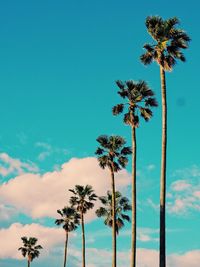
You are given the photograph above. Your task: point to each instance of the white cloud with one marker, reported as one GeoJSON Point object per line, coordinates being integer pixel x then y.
{"type": "Point", "coordinates": [188, 259]}
{"type": "Point", "coordinates": [190, 172]}
{"type": "Point", "coordinates": [148, 234]}
{"type": "Point", "coordinates": [180, 185]}
{"type": "Point", "coordinates": [47, 237]}
{"type": "Point", "coordinates": [41, 195]}
{"type": "Point", "coordinates": [15, 166]}
{"type": "Point", "coordinates": [6, 212]}
{"type": "Point", "coordinates": [145, 258]}
{"type": "Point", "coordinates": [144, 234]}
{"type": "Point", "coordinates": [183, 195]}
{"type": "Point", "coordinates": [52, 240]}
{"type": "Point", "coordinates": [48, 150]}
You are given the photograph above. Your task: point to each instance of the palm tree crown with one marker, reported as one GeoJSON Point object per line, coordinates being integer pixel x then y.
{"type": "Point", "coordinates": [70, 219]}
{"type": "Point", "coordinates": [83, 198]}
{"type": "Point", "coordinates": [169, 41]}
{"type": "Point", "coordinates": [112, 152]}
{"type": "Point", "coordinates": [30, 249]}
{"type": "Point", "coordinates": [140, 99]}
{"type": "Point", "coordinates": [121, 207]}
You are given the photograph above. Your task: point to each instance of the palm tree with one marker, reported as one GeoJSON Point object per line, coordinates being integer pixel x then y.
{"type": "Point", "coordinates": [166, 50]}
{"type": "Point", "coordinates": [122, 206]}
{"type": "Point", "coordinates": [112, 154]}
{"type": "Point", "coordinates": [139, 99]}
{"type": "Point", "coordinates": [70, 220]}
{"type": "Point", "coordinates": [83, 200]}
{"type": "Point", "coordinates": [30, 249]}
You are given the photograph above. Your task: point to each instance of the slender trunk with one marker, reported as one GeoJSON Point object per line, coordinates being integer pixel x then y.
{"type": "Point", "coordinates": [114, 241]}
{"type": "Point", "coordinates": [133, 242]}
{"type": "Point", "coordinates": [29, 263]}
{"type": "Point", "coordinates": [83, 240]}
{"type": "Point", "coordinates": [163, 170]}
{"type": "Point", "coordinates": [65, 252]}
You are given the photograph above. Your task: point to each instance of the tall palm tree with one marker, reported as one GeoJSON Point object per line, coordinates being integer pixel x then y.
{"type": "Point", "coordinates": [166, 50]}
{"type": "Point", "coordinates": [70, 220]}
{"type": "Point", "coordinates": [83, 200]}
{"type": "Point", "coordinates": [121, 208]}
{"type": "Point", "coordinates": [30, 249]}
{"type": "Point", "coordinates": [139, 100]}
{"type": "Point", "coordinates": [112, 154]}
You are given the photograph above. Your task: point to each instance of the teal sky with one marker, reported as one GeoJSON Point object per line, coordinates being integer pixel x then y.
{"type": "Point", "coordinates": [59, 63]}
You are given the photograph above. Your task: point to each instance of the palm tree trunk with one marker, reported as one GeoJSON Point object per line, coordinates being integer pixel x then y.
{"type": "Point", "coordinates": [29, 264]}
{"type": "Point", "coordinates": [114, 241]}
{"type": "Point", "coordinates": [65, 253]}
{"type": "Point", "coordinates": [83, 240]}
{"type": "Point", "coordinates": [133, 242]}
{"type": "Point", "coordinates": [163, 170]}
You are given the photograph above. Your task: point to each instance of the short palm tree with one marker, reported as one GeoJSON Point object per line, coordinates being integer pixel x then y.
{"type": "Point", "coordinates": [121, 208]}
{"type": "Point", "coordinates": [166, 50]}
{"type": "Point", "coordinates": [83, 200]}
{"type": "Point", "coordinates": [112, 154]}
{"type": "Point", "coordinates": [139, 100]}
{"type": "Point", "coordinates": [70, 220]}
{"type": "Point", "coordinates": [30, 249]}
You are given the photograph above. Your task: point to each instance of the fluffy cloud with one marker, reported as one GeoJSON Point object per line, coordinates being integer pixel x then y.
{"type": "Point", "coordinates": [6, 212]}
{"type": "Point", "coordinates": [52, 240]}
{"type": "Point", "coordinates": [184, 192]}
{"type": "Point", "coordinates": [148, 234]}
{"type": "Point", "coordinates": [191, 259]}
{"type": "Point", "coordinates": [41, 195]}
{"type": "Point", "coordinates": [180, 185]}
{"type": "Point", "coordinates": [15, 166]}
{"type": "Point", "coordinates": [183, 195]}
{"type": "Point", "coordinates": [47, 237]}
{"type": "Point", "coordinates": [145, 258]}
{"type": "Point", "coordinates": [144, 234]}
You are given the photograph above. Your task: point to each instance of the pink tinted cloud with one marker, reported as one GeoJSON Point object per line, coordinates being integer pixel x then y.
{"type": "Point", "coordinates": [41, 195]}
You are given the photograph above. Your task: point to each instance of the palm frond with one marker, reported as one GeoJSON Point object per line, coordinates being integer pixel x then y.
{"type": "Point", "coordinates": [169, 40]}
{"type": "Point", "coordinates": [120, 84]}
{"type": "Point", "coordinates": [103, 161]}
{"type": "Point", "coordinates": [116, 167]}
{"type": "Point", "coordinates": [116, 110]}
{"type": "Point", "coordinates": [125, 217]}
{"type": "Point", "coordinates": [103, 141]}
{"type": "Point", "coordinates": [151, 102]}
{"type": "Point", "coordinates": [127, 150]}
{"type": "Point", "coordinates": [101, 212]}
{"type": "Point", "coordinates": [30, 248]}
{"type": "Point", "coordinates": [84, 199]}
{"type": "Point", "coordinates": [121, 204]}
{"type": "Point", "coordinates": [146, 58]}
{"type": "Point", "coordinates": [122, 161]}
{"type": "Point", "coordinates": [59, 221]}
{"type": "Point", "coordinates": [127, 118]}
{"type": "Point", "coordinates": [146, 113]}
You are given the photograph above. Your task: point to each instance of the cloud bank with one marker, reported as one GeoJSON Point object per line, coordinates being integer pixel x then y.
{"type": "Point", "coordinates": [52, 240]}
{"type": "Point", "coordinates": [41, 195]}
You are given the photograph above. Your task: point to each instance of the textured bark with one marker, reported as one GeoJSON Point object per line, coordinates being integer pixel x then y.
{"type": "Point", "coordinates": [65, 252]}
{"type": "Point", "coordinates": [163, 170]}
{"type": "Point", "coordinates": [133, 241]}
{"type": "Point", "coordinates": [114, 241]}
{"type": "Point", "coordinates": [83, 240]}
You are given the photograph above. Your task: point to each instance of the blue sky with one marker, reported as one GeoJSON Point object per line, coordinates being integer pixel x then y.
{"type": "Point", "coordinates": [59, 63]}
